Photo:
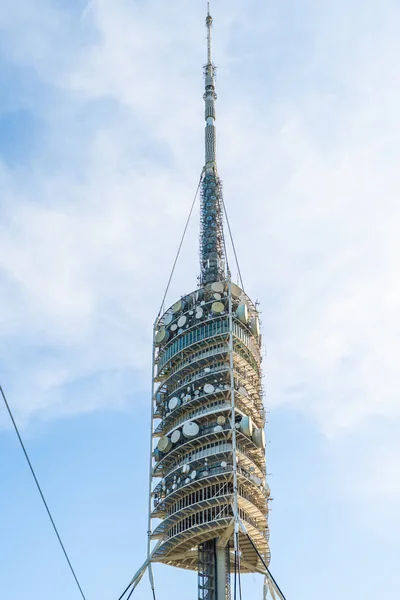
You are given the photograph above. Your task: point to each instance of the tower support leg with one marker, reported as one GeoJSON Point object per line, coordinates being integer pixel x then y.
{"type": "Point", "coordinates": [213, 572]}
{"type": "Point", "coordinates": [222, 573]}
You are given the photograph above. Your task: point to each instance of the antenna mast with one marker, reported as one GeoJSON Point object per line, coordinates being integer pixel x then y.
{"type": "Point", "coordinates": [212, 259]}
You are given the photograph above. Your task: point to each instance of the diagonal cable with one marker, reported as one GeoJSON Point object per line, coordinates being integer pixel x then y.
{"type": "Point", "coordinates": [180, 244]}
{"type": "Point", "coordinates": [233, 244]}
{"type": "Point", "coordinates": [266, 568]}
{"type": "Point", "coordinates": [41, 494]}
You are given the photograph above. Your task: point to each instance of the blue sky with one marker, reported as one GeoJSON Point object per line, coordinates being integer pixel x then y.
{"type": "Point", "coordinates": [101, 146]}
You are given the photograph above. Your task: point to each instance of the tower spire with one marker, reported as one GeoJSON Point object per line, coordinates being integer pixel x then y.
{"type": "Point", "coordinates": [212, 261]}
{"type": "Point", "coordinates": [209, 97]}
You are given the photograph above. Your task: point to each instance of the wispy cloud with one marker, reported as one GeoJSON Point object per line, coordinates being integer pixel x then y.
{"type": "Point", "coordinates": [309, 156]}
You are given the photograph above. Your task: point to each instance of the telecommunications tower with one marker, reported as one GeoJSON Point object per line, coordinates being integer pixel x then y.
{"type": "Point", "coordinates": [208, 492]}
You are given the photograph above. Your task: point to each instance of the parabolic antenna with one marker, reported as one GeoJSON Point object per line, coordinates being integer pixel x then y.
{"type": "Point", "coordinates": [258, 438]}
{"type": "Point", "coordinates": [217, 287]}
{"type": "Point", "coordinates": [174, 403]}
{"type": "Point", "coordinates": [242, 313]}
{"type": "Point", "coordinates": [255, 326]}
{"type": "Point", "coordinates": [182, 321]}
{"type": "Point", "coordinates": [162, 336]}
{"type": "Point", "coordinates": [168, 319]}
{"type": "Point", "coordinates": [236, 291]}
{"type": "Point", "coordinates": [217, 308]}
{"type": "Point", "coordinates": [190, 430]}
{"type": "Point", "coordinates": [246, 426]}
{"type": "Point", "coordinates": [175, 436]}
{"type": "Point", "coordinates": [178, 306]}
{"type": "Point", "coordinates": [164, 445]}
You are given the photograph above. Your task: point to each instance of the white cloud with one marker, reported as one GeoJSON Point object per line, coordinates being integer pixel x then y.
{"type": "Point", "coordinates": [89, 231]}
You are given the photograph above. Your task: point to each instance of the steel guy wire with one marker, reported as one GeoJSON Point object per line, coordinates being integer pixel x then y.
{"type": "Point", "coordinates": [41, 494]}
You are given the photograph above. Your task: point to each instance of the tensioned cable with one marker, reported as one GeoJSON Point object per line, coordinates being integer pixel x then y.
{"type": "Point", "coordinates": [239, 578]}
{"type": "Point", "coordinates": [233, 243]}
{"type": "Point", "coordinates": [181, 242]}
{"type": "Point", "coordinates": [125, 591]}
{"type": "Point", "coordinates": [132, 590]}
{"type": "Point", "coordinates": [266, 567]}
{"type": "Point", "coordinates": [41, 495]}
{"type": "Point", "coordinates": [235, 577]}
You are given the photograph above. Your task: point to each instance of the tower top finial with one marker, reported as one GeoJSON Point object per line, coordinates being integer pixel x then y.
{"type": "Point", "coordinates": [209, 96]}
{"type": "Point", "coordinates": [209, 22]}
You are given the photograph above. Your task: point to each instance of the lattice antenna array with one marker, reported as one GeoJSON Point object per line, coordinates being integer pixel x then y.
{"type": "Point", "coordinates": [212, 260]}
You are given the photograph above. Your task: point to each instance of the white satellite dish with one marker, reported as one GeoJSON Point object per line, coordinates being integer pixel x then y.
{"type": "Point", "coordinates": [164, 445]}
{"type": "Point", "coordinates": [174, 327]}
{"type": "Point", "coordinates": [242, 313]}
{"type": "Point", "coordinates": [199, 313]}
{"type": "Point", "coordinates": [182, 321]}
{"type": "Point", "coordinates": [176, 436]}
{"type": "Point", "coordinates": [187, 480]}
{"type": "Point", "coordinates": [235, 290]}
{"type": "Point", "coordinates": [193, 474]}
{"type": "Point", "coordinates": [255, 326]}
{"type": "Point", "coordinates": [258, 438]}
{"type": "Point", "coordinates": [185, 469]}
{"type": "Point", "coordinates": [162, 336]}
{"type": "Point", "coordinates": [208, 388]}
{"type": "Point", "coordinates": [246, 426]}
{"type": "Point", "coordinates": [168, 319]}
{"type": "Point", "coordinates": [217, 287]}
{"type": "Point", "coordinates": [178, 306]}
{"type": "Point", "coordinates": [218, 429]}
{"type": "Point", "coordinates": [217, 308]}
{"type": "Point", "coordinates": [174, 403]}
{"type": "Point", "coordinates": [224, 464]}
{"type": "Point", "coordinates": [190, 430]}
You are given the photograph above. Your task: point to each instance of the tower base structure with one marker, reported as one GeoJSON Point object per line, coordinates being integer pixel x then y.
{"type": "Point", "coordinates": [213, 571]}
